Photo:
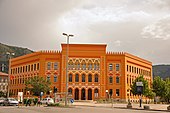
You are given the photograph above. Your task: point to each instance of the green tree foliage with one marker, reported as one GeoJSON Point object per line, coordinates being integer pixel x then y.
{"type": "Point", "coordinates": [146, 91]}
{"type": "Point", "coordinates": [37, 85]}
{"type": "Point", "coordinates": [159, 86]}
{"type": "Point", "coordinates": [167, 90]}
{"type": "Point", "coordinates": [2, 94]}
{"type": "Point", "coordinates": [162, 88]}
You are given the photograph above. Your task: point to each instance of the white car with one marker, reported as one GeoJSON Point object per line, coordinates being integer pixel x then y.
{"type": "Point", "coordinates": [2, 101]}
{"type": "Point", "coordinates": [47, 101]}
{"type": "Point", "coordinates": [10, 101]}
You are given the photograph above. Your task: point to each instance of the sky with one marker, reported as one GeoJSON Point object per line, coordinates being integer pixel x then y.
{"type": "Point", "coordinates": [139, 27]}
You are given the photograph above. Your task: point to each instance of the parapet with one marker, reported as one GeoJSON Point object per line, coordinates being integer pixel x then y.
{"type": "Point", "coordinates": [115, 53]}
{"type": "Point", "coordinates": [49, 51]}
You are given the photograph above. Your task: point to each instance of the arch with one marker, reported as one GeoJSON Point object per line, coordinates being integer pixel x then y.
{"type": "Point", "coordinates": [77, 65]}
{"type": "Point", "coordinates": [76, 94]}
{"type": "Point", "coordinates": [96, 78]}
{"type": "Point", "coordinates": [90, 65]}
{"type": "Point", "coordinates": [89, 94]}
{"type": "Point", "coordinates": [117, 79]}
{"type": "Point", "coordinates": [77, 77]}
{"type": "Point", "coordinates": [90, 78]}
{"type": "Point", "coordinates": [96, 65]}
{"type": "Point", "coordinates": [83, 94]}
{"type": "Point", "coordinates": [70, 91]}
{"type": "Point", "coordinates": [96, 93]}
{"type": "Point", "coordinates": [110, 79]}
{"type": "Point", "coordinates": [83, 64]}
{"type": "Point", "coordinates": [70, 79]}
{"type": "Point", "coordinates": [83, 77]}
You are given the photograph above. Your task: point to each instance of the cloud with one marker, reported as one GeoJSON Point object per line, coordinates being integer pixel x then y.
{"type": "Point", "coordinates": [158, 30]}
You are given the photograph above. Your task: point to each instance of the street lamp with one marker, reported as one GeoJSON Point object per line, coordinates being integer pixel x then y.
{"type": "Point", "coordinates": [9, 70]}
{"type": "Point", "coordinates": [68, 36]}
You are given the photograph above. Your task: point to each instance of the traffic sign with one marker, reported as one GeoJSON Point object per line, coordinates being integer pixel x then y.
{"type": "Point", "coordinates": [139, 83]}
{"type": "Point", "coordinates": [71, 100]}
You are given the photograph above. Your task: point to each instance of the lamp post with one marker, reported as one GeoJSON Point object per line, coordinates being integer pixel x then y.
{"type": "Point", "coordinates": [9, 70]}
{"type": "Point", "coordinates": [68, 36]}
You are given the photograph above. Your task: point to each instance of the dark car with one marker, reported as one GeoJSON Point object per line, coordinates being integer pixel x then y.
{"type": "Point", "coordinates": [10, 102]}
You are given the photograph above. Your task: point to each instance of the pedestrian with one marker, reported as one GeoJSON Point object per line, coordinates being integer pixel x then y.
{"type": "Point", "coordinates": [38, 104]}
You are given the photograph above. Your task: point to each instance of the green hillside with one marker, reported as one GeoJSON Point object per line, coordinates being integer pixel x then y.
{"type": "Point", "coordinates": [161, 70]}
{"type": "Point", "coordinates": [4, 49]}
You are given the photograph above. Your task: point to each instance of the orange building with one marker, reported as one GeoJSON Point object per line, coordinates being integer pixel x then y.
{"type": "Point", "coordinates": [93, 73]}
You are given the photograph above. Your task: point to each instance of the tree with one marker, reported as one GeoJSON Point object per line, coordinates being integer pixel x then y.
{"type": "Point", "coordinates": [146, 90]}
{"type": "Point", "coordinates": [167, 90]}
{"type": "Point", "coordinates": [159, 86]}
{"type": "Point", "coordinates": [2, 94]}
{"type": "Point", "coordinates": [37, 85]}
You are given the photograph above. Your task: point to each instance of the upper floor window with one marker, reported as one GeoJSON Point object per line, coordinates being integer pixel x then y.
{"type": "Point", "coordinates": [117, 67]}
{"type": "Point", "coordinates": [55, 65]}
{"type": "Point", "coordinates": [38, 66]}
{"type": "Point", "coordinates": [110, 67]}
{"type": "Point", "coordinates": [35, 67]}
{"type": "Point", "coordinates": [96, 78]}
{"type": "Point", "coordinates": [84, 66]}
{"type": "Point", "coordinates": [55, 78]}
{"type": "Point", "coordinates": [49, 65]}
{"type": "Point", "coordinates": [89, 78]}
{"type": "Point", "coordinates": [70, 78]}
{"type": "Point", "coordinates": [117, 79]}
{"type": "Point", "coordinates": [110, 79]}
{"type": "Point", "coordinates": [48, 77]}
{"type": "Point", "coordinates": [83, 78]}
{"type": "Point", "coordinates": [77, 78]}
{"type": "Point", "coordinates": [90, 66]}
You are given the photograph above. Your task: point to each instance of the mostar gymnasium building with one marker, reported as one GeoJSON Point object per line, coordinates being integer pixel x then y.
{"type": "Point", "coordinates": [93, 73]}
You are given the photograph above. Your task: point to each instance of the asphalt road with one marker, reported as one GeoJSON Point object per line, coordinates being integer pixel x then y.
{"type": "Point", "coordinates": [77, 109]}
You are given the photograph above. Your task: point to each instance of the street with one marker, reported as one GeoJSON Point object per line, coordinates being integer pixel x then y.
{"type": "Point", "coordinates": [77, 109]}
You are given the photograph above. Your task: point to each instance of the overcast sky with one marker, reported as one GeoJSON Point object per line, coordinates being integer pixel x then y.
{"type": "Point", "coordinates": [140, 27]}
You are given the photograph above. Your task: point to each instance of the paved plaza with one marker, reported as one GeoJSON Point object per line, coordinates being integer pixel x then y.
{"type": "Point", "coordinates": [72, 109]}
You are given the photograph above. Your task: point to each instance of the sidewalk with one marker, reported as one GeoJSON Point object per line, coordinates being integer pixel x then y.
{"type": "Point", "coordinates": [158, 107]}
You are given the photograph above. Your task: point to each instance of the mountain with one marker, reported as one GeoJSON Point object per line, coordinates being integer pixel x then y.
{"type": "Point", "coordinates": [161, 70]}
{"type": "Point", "coordinates": [4, 57]}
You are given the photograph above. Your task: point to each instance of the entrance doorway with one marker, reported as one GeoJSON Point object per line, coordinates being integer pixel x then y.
{"type": "Point", "coordinates": [89, 94]}
{"type": "Point", "coordinates": [76, 95]}
{"type": "Point", "coordinates": [83, 94]}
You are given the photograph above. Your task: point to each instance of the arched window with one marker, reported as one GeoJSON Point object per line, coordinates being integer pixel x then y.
{"type": "Point", "coordinates": [117, 79]}
{"type": "Point", "coordinates": [69, 91]}
{"type": "Point", "coordinates": [110, 79]}
{"type": "Point", "coordinates": [83, 78]}
{"type": "Point", "coordinates": [48, 66]}
{"type": "Point", "coordinates": [96, 93]}
{"type": "Point", "coordinates": [96, 78]}
{"type": "Point", "coordinates": [90, 65]}
{"type": "Point", "coordinates": [96, 65]}
{"type": "Point", "coordinates": [83, 65]}
{"type": "Point", "coordinates": [55, 78]}
{"type": "Point", "coordinates": [70, 77]}
{"type": "Point", "coordinates": [77, 78]}
{"type": "Point", "coordinates": [48, 77]}
{"type": "Point", "coordinates": [89, 78]}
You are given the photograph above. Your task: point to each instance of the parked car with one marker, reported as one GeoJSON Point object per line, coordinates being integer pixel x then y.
{"type": "Point", "coordinates": [10, 102]}
{"type": "Point", "coordinates": [47, 101]}
{"type": "Point", "coordinates": [2, 101]}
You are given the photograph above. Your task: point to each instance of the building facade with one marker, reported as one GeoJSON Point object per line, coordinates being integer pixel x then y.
{"type": "Point", "coordinates": [93, 73]}
{"type": "Point", "coordinates": [3, 82]}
